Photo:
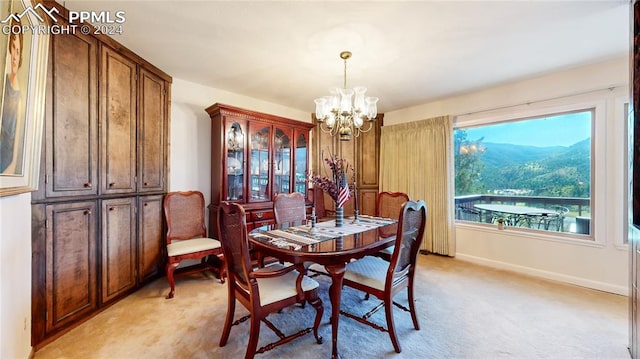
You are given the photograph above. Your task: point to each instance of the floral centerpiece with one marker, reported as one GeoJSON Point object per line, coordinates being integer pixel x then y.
{"type": "Point", "coordinates": [336, 184]}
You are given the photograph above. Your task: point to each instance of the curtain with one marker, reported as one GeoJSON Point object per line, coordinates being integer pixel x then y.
{"type": "Point", "coordinates": [417, 158]}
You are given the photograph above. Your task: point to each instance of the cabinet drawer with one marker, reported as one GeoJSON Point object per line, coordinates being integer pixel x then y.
{"type": "Point", "coordinates": [262, 215]}
{"type": "Point", "coordinates": [263, 223]}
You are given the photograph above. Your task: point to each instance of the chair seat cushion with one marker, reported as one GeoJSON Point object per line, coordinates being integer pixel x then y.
{"type": "Point", "coordinates": [370, 271]}
{"type": "Point", "coordinates": [388, 250]}
{"type": "Point", "coordinates": [319, 268]}
{"type": "Point", "coordinates": [176, 248]}
{"type": "Point", "coordinates": [282, 287]}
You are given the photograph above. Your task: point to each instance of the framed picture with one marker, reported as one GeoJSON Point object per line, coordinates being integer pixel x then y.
{"type": "Point", "coordinates": [23, 57]}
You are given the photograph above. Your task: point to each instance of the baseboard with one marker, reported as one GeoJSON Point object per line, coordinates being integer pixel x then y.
{"type": "Point", "coordinates": [605, 287]}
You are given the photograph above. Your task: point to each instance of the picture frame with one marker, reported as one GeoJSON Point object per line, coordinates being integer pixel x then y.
{"type": "Point", "coordinates": [23, 91]}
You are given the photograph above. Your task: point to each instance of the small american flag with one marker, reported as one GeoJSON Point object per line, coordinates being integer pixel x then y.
{"type": "Point", "coordinates": [344, 195]}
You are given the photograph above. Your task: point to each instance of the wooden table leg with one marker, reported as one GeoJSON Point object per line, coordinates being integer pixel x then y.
{"type": "Point", "coordinates": [335, 293]}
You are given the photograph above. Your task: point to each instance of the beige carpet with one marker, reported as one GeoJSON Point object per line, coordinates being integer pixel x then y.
{"type": "Point", "coordinates": [466, 311]}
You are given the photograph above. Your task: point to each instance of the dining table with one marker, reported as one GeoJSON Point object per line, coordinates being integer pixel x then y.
{"type": "Point", "coordinates": [515, 214]}
{"type": "Point", "coordinates": [325, 244]}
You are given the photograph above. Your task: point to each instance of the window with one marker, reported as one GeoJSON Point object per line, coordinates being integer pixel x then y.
{"type": "Point", "coordinates": [532, 173]}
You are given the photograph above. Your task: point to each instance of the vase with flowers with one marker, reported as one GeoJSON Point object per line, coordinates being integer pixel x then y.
{"type": "Point", "coordinates": [336, 184]}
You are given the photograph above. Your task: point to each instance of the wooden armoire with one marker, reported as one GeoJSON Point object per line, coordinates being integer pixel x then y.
{"type": "Point", "coordinates": [362, 152]}
{"type": "Point", "coordinates": [97, 222]}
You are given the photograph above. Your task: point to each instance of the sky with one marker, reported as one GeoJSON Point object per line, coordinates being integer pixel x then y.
{"type": "Point", "coordinates": [560, 130]}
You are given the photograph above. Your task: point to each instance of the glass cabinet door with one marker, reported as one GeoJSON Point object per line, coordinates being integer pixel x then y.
{"type": "Point", "coordinates": [300, 165]}
{"type": "Point", "coordinates": [259, 188]}
{"type": "Point", "coordinates": [282, 161]}
{"type": "Point", "coordinates": [235, 162]}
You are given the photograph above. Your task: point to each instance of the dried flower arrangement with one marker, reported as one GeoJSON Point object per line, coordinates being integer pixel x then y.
{"type": "Point", "coordinates": [336, 186]}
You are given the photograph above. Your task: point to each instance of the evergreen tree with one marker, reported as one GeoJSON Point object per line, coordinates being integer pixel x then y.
{"type": "Point", "coordinates": [468, 164]}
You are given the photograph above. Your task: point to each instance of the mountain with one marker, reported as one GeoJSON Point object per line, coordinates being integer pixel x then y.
{"type": "Point", "coordinates": [545, 171]}
{"type": "Point", "coordinates": [502, 154]}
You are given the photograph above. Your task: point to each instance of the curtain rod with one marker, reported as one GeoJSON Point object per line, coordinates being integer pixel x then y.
{"type": "Point", "coordinates": [539, 101]}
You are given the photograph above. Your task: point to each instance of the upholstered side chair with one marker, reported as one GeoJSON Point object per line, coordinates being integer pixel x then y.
{"type": "Point", "coordinates": [264, 290]}
{"type": "Point", "coordinates": [186, 235]}
{"type": "Point", "coordinates": [383, 279]}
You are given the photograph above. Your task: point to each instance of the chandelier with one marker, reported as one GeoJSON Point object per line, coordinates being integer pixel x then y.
{"type": "Point", "coordinates": [338, 115]}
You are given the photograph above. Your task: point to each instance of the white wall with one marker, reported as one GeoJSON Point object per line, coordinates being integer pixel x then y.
{"type": "Point", "coordinates": [15, 276]}
{"type": "Point", "coordinates": [600, 264]}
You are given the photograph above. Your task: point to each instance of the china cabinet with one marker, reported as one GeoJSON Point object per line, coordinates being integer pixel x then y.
{"type": "Point", "coordinates": [255, 156]}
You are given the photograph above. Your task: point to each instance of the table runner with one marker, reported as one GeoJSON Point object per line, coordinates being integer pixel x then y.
{"type": "Point", "coordinates": [299, 236]}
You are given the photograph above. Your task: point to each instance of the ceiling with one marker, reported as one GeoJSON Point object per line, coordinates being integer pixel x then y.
{"type": "Point", "coordinates": [405, 52]}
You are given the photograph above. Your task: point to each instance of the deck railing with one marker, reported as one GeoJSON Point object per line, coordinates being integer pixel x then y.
{"type": "Point", "coordinates": [576, 220]}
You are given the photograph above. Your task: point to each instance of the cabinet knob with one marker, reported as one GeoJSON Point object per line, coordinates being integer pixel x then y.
{"type": "Point", "coordinates": [87, 185]}
{"type": "Point", "coordinates": [146, 204]}
{"type": "Point", "coordinates": [111, 208]}
{"type": "Point", "coordinates": [87, 212]}
{"type": "Point", "coordinates": [112, 184]}
{"type": "Point", "coordinates": [259, 214]}
{"type": "Point", "coordinates": [145, 184]}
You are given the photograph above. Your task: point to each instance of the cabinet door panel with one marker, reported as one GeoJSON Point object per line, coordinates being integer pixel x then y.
{"type": "Point", "coordinates": [150, 237]}
{"type": "Point", "coordinates": [368, 155]}
{"type": "Point", "coordinates": [71, 138]}
{"type": "Point", "coordinates": [282, 158]}
{"type": "Point", "coordinates": [234, 161]}
{"type": "Point", "coordinates": [260, 162]}
{"type": "Point", "coordinates": [118, 247]}
{"type": "Point", "coordinates": [118, 122]}
{"type": "Point", "coordinates": [71, 290]}
{"type": "Point", "coordinates": [367, 201]}
{"type": "Point", "coordinates": [151, 132]}
{"type": "Point", "coordinates": [301, 161]}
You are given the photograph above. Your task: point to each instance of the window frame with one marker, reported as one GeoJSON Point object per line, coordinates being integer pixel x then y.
{"type": "Point", "coordinates": [588, 102]}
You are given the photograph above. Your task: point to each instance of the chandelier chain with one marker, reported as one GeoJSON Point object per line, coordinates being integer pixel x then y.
{"type": "Point", "coordinates": [345, 75]}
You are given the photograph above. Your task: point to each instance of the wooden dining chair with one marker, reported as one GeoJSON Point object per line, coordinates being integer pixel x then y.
{"type": "Point", "coordinates": [186, 235]}
{"type": "Point", "coordinates": [289, 207]}
{"type": "Point", "coordinates": [389, 205]}
{"type": "Point", "coordinates": [383, 279]}
{"type": "Point", "coordinates": [262, 291]}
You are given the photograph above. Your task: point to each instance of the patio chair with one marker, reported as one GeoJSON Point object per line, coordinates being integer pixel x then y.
{"type": "Point", "coordinates": [467, 214]}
